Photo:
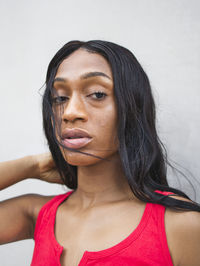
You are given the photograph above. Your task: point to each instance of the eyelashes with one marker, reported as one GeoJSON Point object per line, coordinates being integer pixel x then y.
{"type": "Point", "coordinates": [96, 96]}
{"type": "Point", "coordinates": [59, 99]}
{"type": "Point", "coordinates": [99, 94]}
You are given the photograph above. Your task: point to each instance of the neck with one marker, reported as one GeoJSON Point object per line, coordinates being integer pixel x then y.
{"type": "Point", "coordinates": [102, 182]}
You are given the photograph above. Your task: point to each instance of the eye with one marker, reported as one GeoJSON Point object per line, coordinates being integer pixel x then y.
{"type": "Point", "coordinates": [99, 95]}
{"type": "Point", "coordinates": [59, 99]}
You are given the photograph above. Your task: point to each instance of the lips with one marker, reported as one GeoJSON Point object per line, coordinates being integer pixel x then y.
{"type": "Point", "coordinates": [75, 133]}
{"type": "Point", "coordinates": [75, 138]}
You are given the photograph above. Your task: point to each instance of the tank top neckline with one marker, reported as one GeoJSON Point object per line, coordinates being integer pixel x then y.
{"type": "Point", "coordinates": [111, 250]}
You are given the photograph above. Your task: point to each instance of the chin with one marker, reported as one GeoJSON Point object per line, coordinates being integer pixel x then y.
{"type": "Point", "coordinates": [77, 159]}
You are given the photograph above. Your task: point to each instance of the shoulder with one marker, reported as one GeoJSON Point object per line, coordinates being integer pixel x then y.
{"type": "Point", "coordinates": [29, 204]}
{"type": "Point", "coordinates": [34, 202]}
{"type": "Point", "coordinates": [183, 235]}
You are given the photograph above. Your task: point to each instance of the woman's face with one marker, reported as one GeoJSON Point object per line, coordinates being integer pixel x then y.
{"type": "Point", "coordinates": [84, 99]}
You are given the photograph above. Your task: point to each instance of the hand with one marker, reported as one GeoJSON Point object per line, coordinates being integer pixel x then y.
{"type": "Point", "coordinates": [46, 168]}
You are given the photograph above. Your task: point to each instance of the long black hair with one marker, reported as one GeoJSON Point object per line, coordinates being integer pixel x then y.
{"type": "Point", "coordinates": [142, 154]}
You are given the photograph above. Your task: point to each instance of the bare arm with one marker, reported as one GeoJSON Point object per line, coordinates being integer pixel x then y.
{"type": "Point", "coordinates": [191, 240]}
{"type": "Point", "coordinates": [15, 171]}
{"type": "Point", "coordinates": [18, 215]}
{"type": "Point", "coordinates": [183, 236]}
{"type": "Point", "coordinates": [39, 166]}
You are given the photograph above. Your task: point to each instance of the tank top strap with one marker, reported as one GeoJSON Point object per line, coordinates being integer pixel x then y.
{"type": "Point", "coordinates": [159, 217]}
{"type": "Point", "coordinates": [48, 212]}
{"type": "Point", "coordinates": [165, 193]}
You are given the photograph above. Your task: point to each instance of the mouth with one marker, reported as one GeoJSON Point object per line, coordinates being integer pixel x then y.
{"type": "Point", "coordinates": [76, 143]}
{"type": "Point", "coordinates": [75, 138]}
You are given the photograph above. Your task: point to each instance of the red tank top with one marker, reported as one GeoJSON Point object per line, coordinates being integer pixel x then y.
{"type": "Point", "coordinates": [145, 246]}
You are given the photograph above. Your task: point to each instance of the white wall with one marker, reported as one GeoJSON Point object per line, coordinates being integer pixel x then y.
{"type": "Point", "coordinates": [164, 36]}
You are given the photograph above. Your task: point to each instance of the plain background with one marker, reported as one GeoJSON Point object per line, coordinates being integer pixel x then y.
{"type": "Point", "coordinates": [164, 36]}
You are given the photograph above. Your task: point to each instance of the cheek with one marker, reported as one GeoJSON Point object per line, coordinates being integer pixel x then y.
{"type": "Point", "coordinates": [106, 128]}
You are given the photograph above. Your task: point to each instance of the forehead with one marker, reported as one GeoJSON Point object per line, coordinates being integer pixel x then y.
{"type": "Point", "coordinates": [82, 61]}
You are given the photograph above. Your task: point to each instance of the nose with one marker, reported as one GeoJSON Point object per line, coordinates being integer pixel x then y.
{"type": "Point", "coordinates": [74, 109]}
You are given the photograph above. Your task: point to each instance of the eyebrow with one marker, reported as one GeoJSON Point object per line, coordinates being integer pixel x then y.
{"type": "Point", "coordinates": [86, 76]}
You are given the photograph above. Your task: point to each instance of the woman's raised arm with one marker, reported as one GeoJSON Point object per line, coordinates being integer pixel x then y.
{"type": "Point", "coordinates": [18, 215]}
{"type": "Point", "coordinates": [39, 166]}
{"type": "Point", "coordinates": [14, 171]}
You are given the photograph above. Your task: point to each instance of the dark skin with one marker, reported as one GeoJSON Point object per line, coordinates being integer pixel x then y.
{"type": "Point", "coordinates": [102, 187]}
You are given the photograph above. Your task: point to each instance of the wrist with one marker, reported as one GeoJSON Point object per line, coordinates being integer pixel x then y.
{"type": "Point", "coordinates": [32, 167]}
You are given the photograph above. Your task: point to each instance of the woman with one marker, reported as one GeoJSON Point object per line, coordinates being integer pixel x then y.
{"type": "Point", "coordinates": [99, 120]}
